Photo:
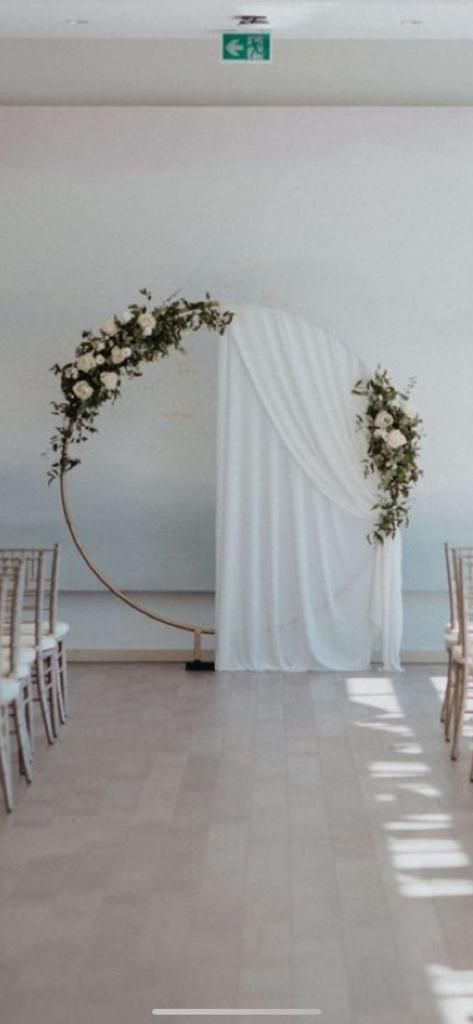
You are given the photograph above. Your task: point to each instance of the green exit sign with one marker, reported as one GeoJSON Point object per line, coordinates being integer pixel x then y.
{"type": "Point", "coordinates": [251, 47]}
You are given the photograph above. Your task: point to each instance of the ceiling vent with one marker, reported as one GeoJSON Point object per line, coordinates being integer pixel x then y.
{"type": "Point", "coordinates": [251, 19]}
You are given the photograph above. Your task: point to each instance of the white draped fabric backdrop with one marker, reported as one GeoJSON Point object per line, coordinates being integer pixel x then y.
{"type": "Point", "coordinates": [298, 586]}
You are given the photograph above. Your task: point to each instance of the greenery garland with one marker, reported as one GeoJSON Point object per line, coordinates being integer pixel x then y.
{"type": "Point", "coordinates": [393, 431]}
{"type": "Point", "coordinates": [143, 334]}
{"type": "Point", "coordinates": [104, 359]}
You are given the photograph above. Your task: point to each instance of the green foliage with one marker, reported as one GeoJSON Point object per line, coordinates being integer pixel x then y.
{"type": "Point", "coordinates": [393, 432]}
{"type": "Point", "coordinates": [103, 360]}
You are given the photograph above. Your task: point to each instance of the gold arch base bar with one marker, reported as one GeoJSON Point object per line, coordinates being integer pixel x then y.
{"type": "Point", "coordinates": [197, 664]}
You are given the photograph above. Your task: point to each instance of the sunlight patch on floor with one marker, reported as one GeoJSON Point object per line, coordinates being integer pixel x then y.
{"type": "Point", "coordinates": [422, 789]}
{"type": "Point", "coordinates": [421, 853]}
{"type": "Point", "coordinates": [420, 823]}
{"type": "Point", "coordinates": [397, 769]}
{"type": "Point", "coordinates": [361, 686]}
{"type": "Point", "coordinates": [454, 991]}
{"type": "Point", "coordinates": [386, 726]}
{"type": "Point", "coordinates": [433, 888]}
{"type": "Point", "coordinates": [428, 862]}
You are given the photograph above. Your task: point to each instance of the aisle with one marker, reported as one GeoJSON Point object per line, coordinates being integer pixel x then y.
{"type": "Point", "coordinates": [298, 840]}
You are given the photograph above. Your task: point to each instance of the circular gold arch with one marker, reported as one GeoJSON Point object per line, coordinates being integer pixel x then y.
{"type": "Point", "coordinates": [149, 333]}
{"type": "Point", "coordinates": [197, 631]}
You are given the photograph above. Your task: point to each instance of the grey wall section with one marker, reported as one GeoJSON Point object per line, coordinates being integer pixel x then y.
{"type": "Point", "coordinates": [189, 72]}
{"type": "Point", "coordinates": [101, 623]}
{"type": "Point", "coordinates": [361, 219]}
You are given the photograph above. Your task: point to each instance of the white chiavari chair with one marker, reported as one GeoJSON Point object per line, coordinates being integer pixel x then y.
{"type": "Point", "coordinates": [15, 681]}
{"type": "Point", "coordinates": [450, 637]}
{"type": "Point", "coordinates": [50, 626]}
{"type": "Point", "coordinates": [452, 630]}
{"type": "Point", "coordinates": [38, 610]}
{"type": "Point", "coordinates": [462, 653]}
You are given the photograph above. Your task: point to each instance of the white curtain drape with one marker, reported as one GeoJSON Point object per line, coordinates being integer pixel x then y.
{"type": "Point", "coordinates": [298, 585]}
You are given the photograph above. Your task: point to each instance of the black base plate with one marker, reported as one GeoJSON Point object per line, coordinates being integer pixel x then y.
{"type": "Point", "coordinates": [200, 666]}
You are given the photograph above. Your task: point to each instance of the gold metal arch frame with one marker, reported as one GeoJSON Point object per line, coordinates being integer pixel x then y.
{"type": "Point", "coordinates": [164, 329]}
{"type": "Point", "coordinates": [197, 631]}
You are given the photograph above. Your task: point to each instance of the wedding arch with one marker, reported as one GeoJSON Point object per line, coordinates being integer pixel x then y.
{"type": "Point", "coordinates": [103, 360]}
{"type": "Point", "coordinates": [314, 458]}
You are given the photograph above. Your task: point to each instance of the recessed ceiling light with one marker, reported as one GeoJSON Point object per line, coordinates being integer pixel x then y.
{"type": "Point", "coordinates": [76, 21]}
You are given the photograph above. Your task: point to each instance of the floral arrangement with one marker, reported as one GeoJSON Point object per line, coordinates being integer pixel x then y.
{"type": "Point", "coordinates": [104, 359]}
{"type": "Point", "coordinates": [393, 431]}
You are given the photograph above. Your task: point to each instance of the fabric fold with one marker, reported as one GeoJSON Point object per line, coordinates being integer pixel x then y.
{"type": "Point", "coordinates": [298, 586]}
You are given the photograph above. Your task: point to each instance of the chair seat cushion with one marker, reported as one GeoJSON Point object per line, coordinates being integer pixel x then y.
{"type": "Point", "coordinates": [61, 630]}
{"type": "Point", "coordinates": [27, 654]}
{"type": "Point", "coordinates": [9, 690]}
{"type": "Point", "coordinates": [48, 643]}
{"type": "Point", "coordinates": [23, 670]}
{"type": "Point", "coordinates": [457, 653]}
{"type": "Point", "coordinates": [452, 635]}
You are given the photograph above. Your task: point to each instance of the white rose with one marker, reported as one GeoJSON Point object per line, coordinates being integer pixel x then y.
{"type": "Point", "coordinates": [380, 433]}
{"type": "Point", "coordinates": [86, 362]}
{"type": "Point", "coordinates": [109, 380]}
{"type": "Point", "coordinates": [126, 317]}
{"type": "Point", "coordinates": [83, 390]}
{"type": "Point", "coordinates": [109, 328]}
{"type": "Point", "coordinates": [100, 360]}
{"type": "Point", "coordinates": [395, 438]}
{"type": "Point", "coordinates": [147, 323]}
{"type": "Point", "coordinates": [120, 354]}
{"type": "Point", "coordinates": [408, 410]}
{"type": "Point", "coordinates": [100, 345]}
{"type": "Point", "coordinates": [383, 419]}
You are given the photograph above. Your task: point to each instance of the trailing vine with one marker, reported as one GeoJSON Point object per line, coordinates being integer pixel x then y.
{"type": "Point", "coordinates": [104, 359]}
{"type": "Point", "coordinates": [393, 430]}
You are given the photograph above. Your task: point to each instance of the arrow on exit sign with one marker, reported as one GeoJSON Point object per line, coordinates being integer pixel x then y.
{"type": "Point", "coordinates": [246, 46]}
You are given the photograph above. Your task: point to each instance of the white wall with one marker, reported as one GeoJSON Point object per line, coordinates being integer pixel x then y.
{"type": "Point", "coordinates": [360, 218]}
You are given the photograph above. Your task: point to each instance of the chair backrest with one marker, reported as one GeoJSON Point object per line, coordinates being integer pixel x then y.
{"type": "Point", "coordinates": [453, 556]}
{"type": "Point", "coordinates": [464, 587]}
{"type": "Point", "coordinates": [452, 597]}
{"type": "Point", "coordinates": [12, 586]}
{"type": "Point", "coordinates": [41, 584]}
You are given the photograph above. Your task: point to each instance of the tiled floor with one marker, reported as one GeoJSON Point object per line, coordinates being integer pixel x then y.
{"type": "Point", "coordinates": [241, 841]}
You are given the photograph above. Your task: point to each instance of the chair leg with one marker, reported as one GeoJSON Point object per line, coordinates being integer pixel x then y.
{"type": "Point", "coordinates": [63, 679]}
{"type": "Point", "coordinates": [458, 708]}
{"type": "Point", "coordinates": [50, 671]}
{"type": "Point", "coordinates": [43, 697]}
{"type": "Point", "coordinates": [5, 759]}
{"type": "Point", "coordinates": [29, 713]}
{"type": "Point", "coordinates": [24, 748]}
{"type": "Point", "coordinates": [14, 731]}
{"type": "Point", "coordinates": [450, 697]}
{"type": "Point", "coordinates": [55, 693]}
{"type": "Point", "coordinates": [446, 698]}
{"type": "Point", "coordinates": [58, 685]}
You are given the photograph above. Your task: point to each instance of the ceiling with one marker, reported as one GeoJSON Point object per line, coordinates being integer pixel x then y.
{"type": "Point", "coordinates": [202, 19]}
{"type": "Point", "coordinates": [167, 52]}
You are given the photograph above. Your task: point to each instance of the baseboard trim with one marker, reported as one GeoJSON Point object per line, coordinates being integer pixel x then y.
{"type": "Point", "coordinates": [424, 657]}
{"type": "Point", "coordinates": [104, 654]}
